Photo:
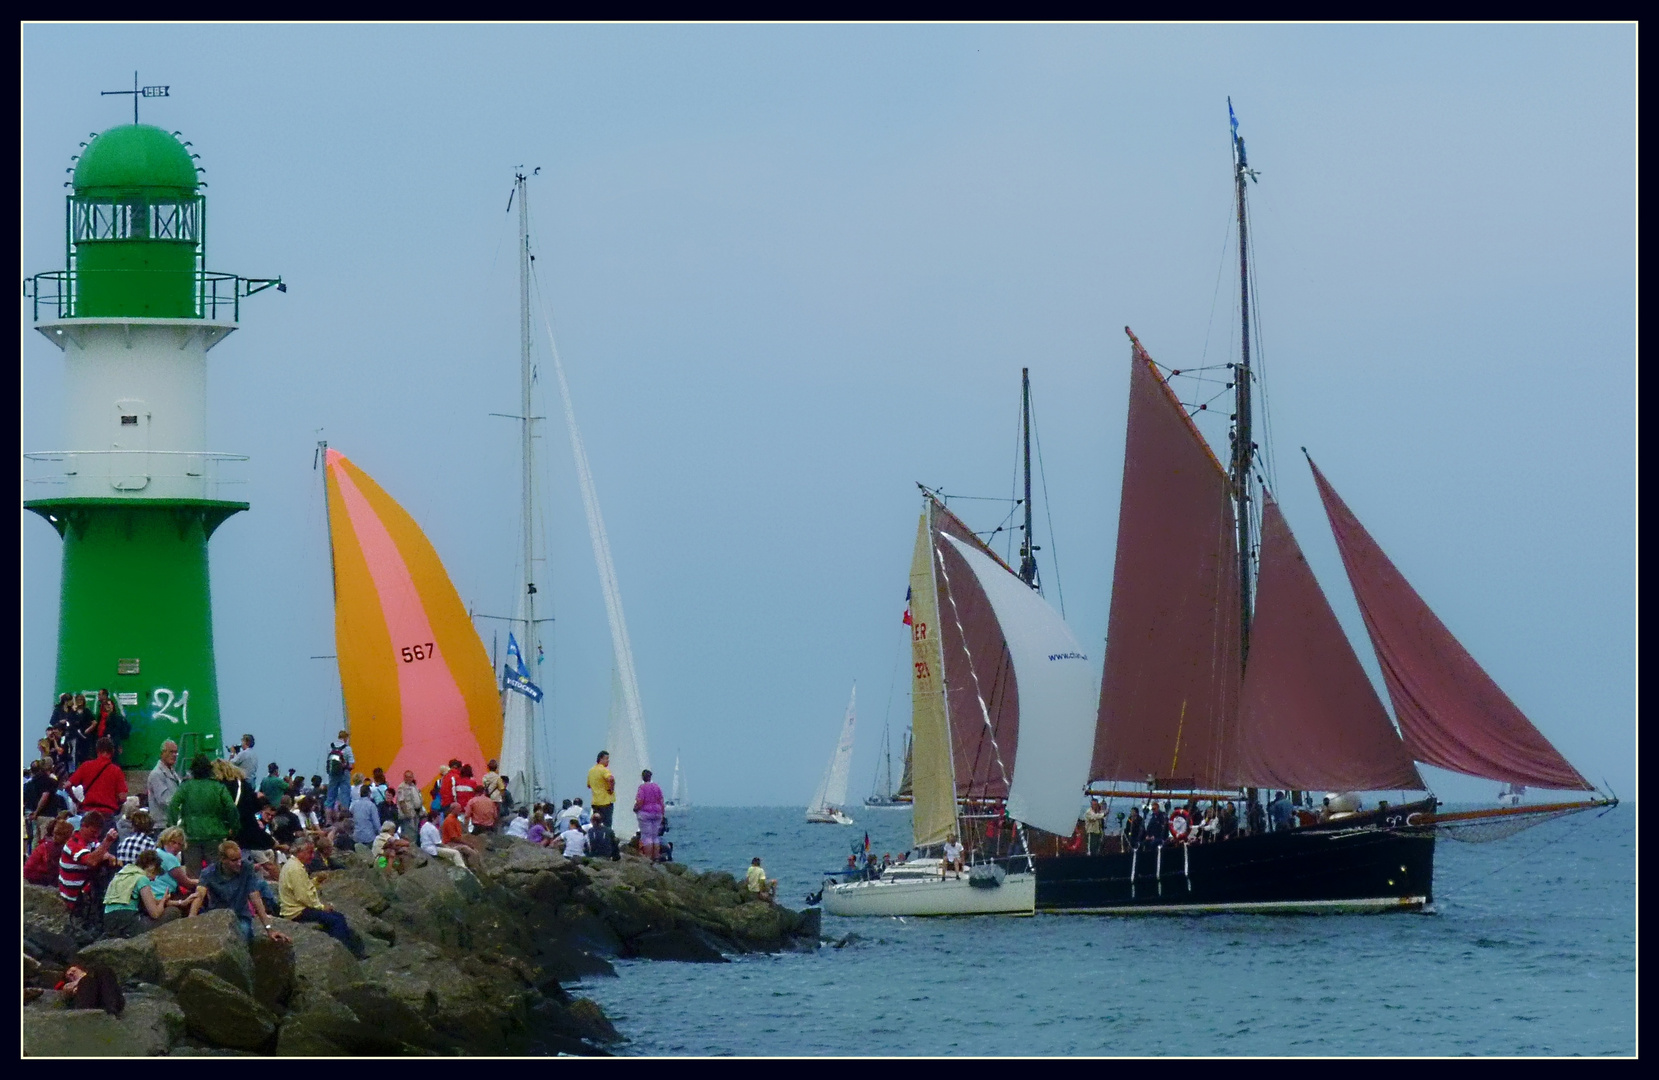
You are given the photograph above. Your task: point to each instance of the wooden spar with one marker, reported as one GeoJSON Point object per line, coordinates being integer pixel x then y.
{"type": "Point", "coordinates": [1510, 811]}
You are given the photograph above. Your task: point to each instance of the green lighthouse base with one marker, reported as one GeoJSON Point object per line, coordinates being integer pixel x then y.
{"type": "Point", "coordinates": [135, 615]}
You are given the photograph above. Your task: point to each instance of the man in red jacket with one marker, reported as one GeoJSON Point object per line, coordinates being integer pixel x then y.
{"type": "Point", "coordinates": [103, 785]}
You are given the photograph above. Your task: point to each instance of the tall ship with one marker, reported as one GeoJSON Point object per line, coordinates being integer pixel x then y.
{"type": "Point", "coordinates": [1227, 676]}
{"type": "Point", "coordinates": [1229, 693]}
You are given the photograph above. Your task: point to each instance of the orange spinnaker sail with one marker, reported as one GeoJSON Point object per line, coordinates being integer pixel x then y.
{"type": "Point", "coordinates": [418, 685]}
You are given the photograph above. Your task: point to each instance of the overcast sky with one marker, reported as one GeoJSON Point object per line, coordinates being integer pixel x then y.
{"type": "Point", "coordinates": [795, 270]}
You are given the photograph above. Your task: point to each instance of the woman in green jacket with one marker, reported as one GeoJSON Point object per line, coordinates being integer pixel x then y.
{"type": "Point", "coordinates": [206, 812]}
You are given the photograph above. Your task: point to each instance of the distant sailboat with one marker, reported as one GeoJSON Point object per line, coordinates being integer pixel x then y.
{"type": "Point", "coordinates": [828, 802]}
{"type": "Point", "coordinates": [677, 798]}
{"type": "Point", "coordinates": [416, 681]}
{"type": "Point", "coordinates": [884, 797]}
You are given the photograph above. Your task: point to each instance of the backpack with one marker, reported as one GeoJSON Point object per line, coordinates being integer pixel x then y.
{"type": "Point", "coordinates": [336, 763]}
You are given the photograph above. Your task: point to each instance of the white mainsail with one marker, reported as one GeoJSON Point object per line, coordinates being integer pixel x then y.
{"type": "Point", "coordinates": [626, 734]}
{"type": "Point", "coordinates": [677, 796]}
{"type": "Point", "coordinates": [832, 789]}
{"type": "Point", "coordinates": [1057, 696]}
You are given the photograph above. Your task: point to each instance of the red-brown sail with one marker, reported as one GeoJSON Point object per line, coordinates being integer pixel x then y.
{"type": "Point", "coordinates": [1451, 713]}
{"type": "Point", "coordinates": [1169, 692]}
{"type": "Point", "coordinates": [1309, 717]}
{"type": "Point", "coordinates": [981, 671]}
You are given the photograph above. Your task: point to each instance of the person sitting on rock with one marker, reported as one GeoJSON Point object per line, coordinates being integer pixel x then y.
{"type": "Point", "coordinates": [758, 883]}
{"type": "Point", "coordinates": [175, 881]}
{"type": "Point", "coordinates": [231, 883]}
{"type": "Point", "coordinates": [432, 843]}
{"type": "Point", "coordinates": [574, 841]}
{"type": "Point", "coordinates": [42, 865]}
{"type": "Point", "coordinates": [519, 827]}
{"type": "Point", "coordinates": [139, 838]}
{"type": "Point", "coordinates": [482, 812]}
{"type": "Point", "coordinates": [300, 902]}
{"type": "Point", "coordinates": [84, 864]}
{"type": "Point", "coordinates": [389, 848]}
{"type": "Point", "coordinates": [130, 904]}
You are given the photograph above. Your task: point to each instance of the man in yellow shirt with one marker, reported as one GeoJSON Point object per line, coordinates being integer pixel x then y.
{"type": "Point", "coordinates": [603, 786]}
{"type": "Point", "coordinates": [299, 901]}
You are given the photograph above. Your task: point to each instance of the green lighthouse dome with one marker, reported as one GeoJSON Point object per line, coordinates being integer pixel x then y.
{"type": "Point", "coordinates": [135, 157]}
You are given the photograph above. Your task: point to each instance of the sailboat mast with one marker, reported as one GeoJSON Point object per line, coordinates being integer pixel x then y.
{"type": "Point", "coordinates": [527, 449]}
{"type": "Point", "coordinates": [1243, 446]}
{"type": "Point", "coordinates": [1028, 558]}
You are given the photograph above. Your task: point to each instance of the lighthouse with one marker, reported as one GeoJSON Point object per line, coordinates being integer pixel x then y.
{"type": "Point", "coordinates": [136, 493]}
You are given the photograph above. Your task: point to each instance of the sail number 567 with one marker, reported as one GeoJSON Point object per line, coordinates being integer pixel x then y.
{"type": "Point", "coordinates": [411, 653]}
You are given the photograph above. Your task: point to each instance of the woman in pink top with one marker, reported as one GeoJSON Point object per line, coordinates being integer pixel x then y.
{"type": "Point", "coordinates": [648, 808]}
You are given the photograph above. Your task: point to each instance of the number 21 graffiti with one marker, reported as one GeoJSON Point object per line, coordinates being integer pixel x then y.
{"type": "Point", "coordinates": [163, 702]}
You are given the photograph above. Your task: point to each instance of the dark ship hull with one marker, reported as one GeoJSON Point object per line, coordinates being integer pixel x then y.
{"type": "Point", "coordinates": [1368, 864]}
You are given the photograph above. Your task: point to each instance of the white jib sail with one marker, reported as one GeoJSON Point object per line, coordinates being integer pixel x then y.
{"type": "Point", "coordinates": [1058, 696]}
{"type": "Point", "coordinates": [832, 789]}
{"type": "Point", "coordinates": [627, 728]}
{"type": "Point", "coordinates": [678, 794]}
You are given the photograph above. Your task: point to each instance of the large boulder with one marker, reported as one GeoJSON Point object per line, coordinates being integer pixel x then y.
{"type": "Point", "coordinates": [222, 1014]}
{"type": "Point", "coordinates": [321, 965]}
{"type": "Point", "coordinates": [389, 1018]}
{"type": "Point", "coordinates": [149, 1026]}
{"type": "Point", "coordinates": [324, 1028]}
{"type": "Point", "coordinates": [273, 972]}
{"type": "Point", "coordinates": [475, 1004]}
{"type": "Point", "coordinates": [211, 942]}
{"type": "Point", "coordinates": [523, 857]}
{"type": "Point", "coordinates": [132, 959]}
{"type": "Point", "coordinates": [632, 913]}
{"type": "Point", "coordinates": [48, 933]}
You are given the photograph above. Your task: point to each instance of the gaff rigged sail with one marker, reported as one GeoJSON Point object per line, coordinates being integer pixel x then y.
{"type": "Point", "coordinates": [1309, 718]}
{"type": "Point", "coordinates": [1450, 711]}
{"type": "Point", "coordinates": [417, 682]}
{"type": "Point", "coordinates": [1170, 689]}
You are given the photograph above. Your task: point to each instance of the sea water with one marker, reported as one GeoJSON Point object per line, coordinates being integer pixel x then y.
{"type": "Point", "coordinates": [1530, 949]}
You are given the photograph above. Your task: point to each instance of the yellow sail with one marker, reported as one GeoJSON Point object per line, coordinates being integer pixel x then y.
{"type": "Point", "coordinates": [419, 688]}
{"type": "Point", "coordinates": [932, 773]}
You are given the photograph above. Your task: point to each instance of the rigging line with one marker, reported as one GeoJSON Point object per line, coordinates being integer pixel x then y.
{"type": "Point", "coordinates": [1048, 514]}
{"type": "Point", "coordinates": [1226, 240]}
{"type": "Point", "coordinates": [622, 644]}
{"type": "Point", "coordinates": [979, 694]}
{"type": "Point", "coordinates": [975, 498]}
{"type": "Point", "coordinates": [1013, 490]}
{"type": "Point", "coordinates": [1566, 833]}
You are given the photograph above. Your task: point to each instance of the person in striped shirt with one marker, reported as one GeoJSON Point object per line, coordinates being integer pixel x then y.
{"type": "Point", "coordinates": [83, 856]}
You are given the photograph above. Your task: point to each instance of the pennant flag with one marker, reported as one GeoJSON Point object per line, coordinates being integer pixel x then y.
{"type": "Point", "coordinates": [907, 621]}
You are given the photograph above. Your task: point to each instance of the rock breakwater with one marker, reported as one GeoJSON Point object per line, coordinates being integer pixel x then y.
{"type": "Point", "coordinates": [455, 964]}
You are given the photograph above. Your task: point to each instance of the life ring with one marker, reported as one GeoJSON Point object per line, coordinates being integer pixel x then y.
{"type": "Point", "coordinates": [1180, 826]}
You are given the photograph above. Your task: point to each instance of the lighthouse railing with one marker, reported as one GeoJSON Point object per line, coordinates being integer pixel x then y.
{"type": "Point", "coordinates": [217, 295]}
{"type": "Point", "coordinates": [142, 474]}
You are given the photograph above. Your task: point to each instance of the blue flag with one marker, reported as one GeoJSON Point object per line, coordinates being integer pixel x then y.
{"type": "Point", "coordinates": [515, 676]}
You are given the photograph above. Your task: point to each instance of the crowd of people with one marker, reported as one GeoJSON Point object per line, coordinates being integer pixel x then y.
{"type": "Point", "coordinates": [222, 833]}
